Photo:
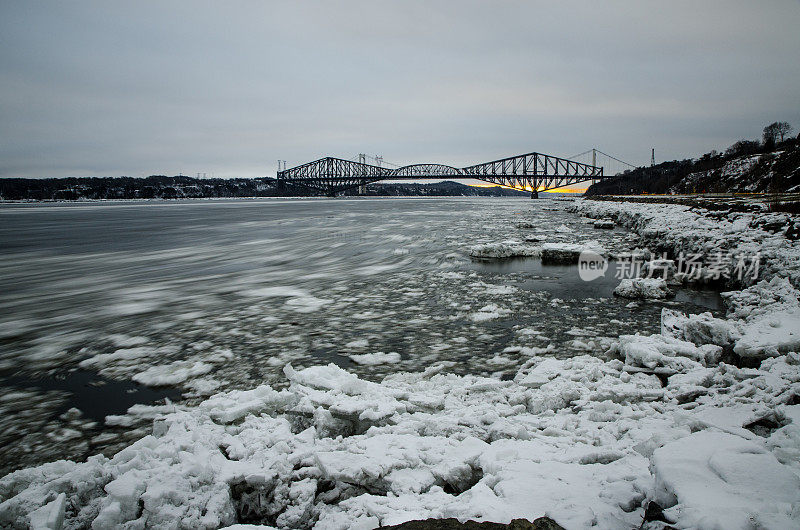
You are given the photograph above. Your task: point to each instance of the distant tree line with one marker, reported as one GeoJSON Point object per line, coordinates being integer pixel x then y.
{"type": "Point", "coordinates": [183, 187]}
{"type": "Point", "coordinates": [152, 187]}
{"type": "Point", "coordinates": [772, 164]}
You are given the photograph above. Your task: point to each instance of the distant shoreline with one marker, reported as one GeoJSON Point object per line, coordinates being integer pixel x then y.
{"type": "Point", "coordinates": [257, 198]}
{"type": "Point", "coordinates": [160, 187]}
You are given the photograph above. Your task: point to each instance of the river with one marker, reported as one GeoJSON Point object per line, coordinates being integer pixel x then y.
{"type": "Point", "coordinates": [107, 306]}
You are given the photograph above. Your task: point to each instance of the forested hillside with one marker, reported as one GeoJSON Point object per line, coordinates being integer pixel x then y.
{"type": "Point", "coordinates": [748, 166]}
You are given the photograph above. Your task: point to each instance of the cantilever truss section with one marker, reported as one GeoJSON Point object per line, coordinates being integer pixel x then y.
{"type": "Point", "coordinates": [530, 172]}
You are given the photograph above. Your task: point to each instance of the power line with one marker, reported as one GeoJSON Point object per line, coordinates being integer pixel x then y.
{"type": "Point", "coordinates": [579, 154]}
{"type": "Point", "coordinates": [615, 158]}
{"type": "Point", "coordinates": [602, 153]}
{"type": "Point", "coordinates": [378, 160]}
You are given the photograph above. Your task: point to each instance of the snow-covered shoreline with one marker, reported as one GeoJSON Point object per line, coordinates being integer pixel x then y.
{"type": "Point", "coordinates": [584, 441]}
{"type": "Point", "coordinates": [676, 228]}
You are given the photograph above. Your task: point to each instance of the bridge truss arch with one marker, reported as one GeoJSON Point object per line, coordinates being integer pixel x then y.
{"type": "Point", "coordinates": [427, 171]}
{"type": "Point", "coordinates": [532, 172]}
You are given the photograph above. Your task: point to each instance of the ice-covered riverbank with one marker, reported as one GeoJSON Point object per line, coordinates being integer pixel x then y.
{"type": "Point", "coordinates": [586, 441]}
{"type": "Point", "coordinates": [676, 228]}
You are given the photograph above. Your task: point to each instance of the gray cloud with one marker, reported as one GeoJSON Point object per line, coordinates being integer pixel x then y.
{"type": "Point", "coordinates": [113, 88]}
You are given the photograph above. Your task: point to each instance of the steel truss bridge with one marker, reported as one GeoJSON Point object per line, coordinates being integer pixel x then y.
{"type": "Point", "coordinates": [532, 172]}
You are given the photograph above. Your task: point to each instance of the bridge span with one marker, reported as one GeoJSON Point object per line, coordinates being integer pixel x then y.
{"type": "Point", "coordinates": [532, 172]}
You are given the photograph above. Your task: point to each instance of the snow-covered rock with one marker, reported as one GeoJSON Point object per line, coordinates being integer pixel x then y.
{"type": "Point", "coordinates": [770, 336]}
{"type": "Point", "coordinates": [718, 480]}
{"type": "Point", "coordinates": [762, 321]}
{"type": "Point", "coordinates": [568, 253]}
{"type": "Point", "coordinates": [682, 230]}
{"type": "Point", "coordinates": [768, 316]}
{"type": "Point", "coordinates": [655, 288]}
{"type": "Point", "coordinates": [50, 516]}
{"type": "Point", "coordinates": [667, 354]}
{"type": "Point", "coordinates": [698, 329]}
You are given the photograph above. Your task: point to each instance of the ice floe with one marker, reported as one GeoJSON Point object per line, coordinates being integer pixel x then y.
{"type": "Point", "coordinates": [504, 249]}
{"type": "Point", "coordinates": [652, 288]}
{"type": "Point", "coordinates": [173, 373]}
{"type": "Point", "coordinates": [489, 312]}
{"type": "Point", "coordinates": [604, 223]}
{"type": "Point", "coordinates": [379, 357]}
{"type": "Point", "coordinates": [568, 253]}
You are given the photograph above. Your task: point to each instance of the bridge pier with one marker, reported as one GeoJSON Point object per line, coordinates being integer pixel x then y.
{"type": "Point", "coordinates": [534, 194]}
{"type": "Point", "coordinates": [362, 188]}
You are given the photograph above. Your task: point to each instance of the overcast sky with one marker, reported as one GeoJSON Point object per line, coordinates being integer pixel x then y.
{"type": "Point", "coordinates": [140, 88]}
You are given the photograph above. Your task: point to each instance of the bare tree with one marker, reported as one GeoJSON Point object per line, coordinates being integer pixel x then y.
{"type": "Point", "coordinates": [773, 130]}
{"type": "Point", "coordinates": [770, 133]}
{"type": "Point", "coordinates": [783, 129]}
